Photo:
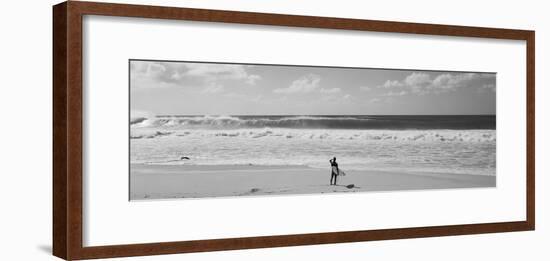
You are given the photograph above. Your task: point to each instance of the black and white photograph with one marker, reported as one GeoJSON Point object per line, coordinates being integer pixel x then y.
{"type": "Point", "coordinates": [205, 129]}
{"type": "Point", "coordinates": [263, 130]}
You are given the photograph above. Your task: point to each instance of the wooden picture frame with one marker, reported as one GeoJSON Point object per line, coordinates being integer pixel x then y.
{"type": "Point", "coordinates": [68, 145]}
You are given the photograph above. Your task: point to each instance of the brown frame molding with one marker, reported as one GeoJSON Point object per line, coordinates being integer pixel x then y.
{"type": "Point", "coordinates": [67, 129]}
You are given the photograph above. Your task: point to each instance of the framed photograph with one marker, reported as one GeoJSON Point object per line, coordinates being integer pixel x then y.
{"type": "Point", "coordinates": [187, 130]}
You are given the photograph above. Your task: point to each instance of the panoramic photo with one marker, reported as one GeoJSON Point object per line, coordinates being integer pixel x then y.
{"type": "Point", "coordinates": [199, 129]}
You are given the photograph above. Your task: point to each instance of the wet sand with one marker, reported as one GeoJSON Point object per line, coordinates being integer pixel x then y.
{"type": "Point", "coordinates": [198, 181]}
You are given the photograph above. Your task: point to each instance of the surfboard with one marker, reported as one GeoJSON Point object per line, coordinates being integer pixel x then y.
{"type": "Point", "coordinates": [338, 171]}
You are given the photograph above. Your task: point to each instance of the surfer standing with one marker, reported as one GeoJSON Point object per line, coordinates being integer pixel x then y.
{"type": "Point", "coordinates": [334, 170]}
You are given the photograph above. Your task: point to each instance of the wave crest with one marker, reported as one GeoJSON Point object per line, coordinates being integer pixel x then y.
{"type": "Point", "coordinates": [372, 135]}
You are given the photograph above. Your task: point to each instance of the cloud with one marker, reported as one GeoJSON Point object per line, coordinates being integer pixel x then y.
{"type": "Point", "coordinates": [490, 87]}
{"type": "Point", "coordinates": [418, 79]}
{"type": "Point", "coordinates": [365, 88]}
{"type": "Point", "coordinates": [423, 83]}
{"type": "Point", "coordinates": [333, 90]}
{"type": "Point", "coordinates": [179, 72]}
{"type": "Point", "coordinates": [392, 93]}
{"type": "Point", "coordinates": [215, 71]}
{"type": "Point", "coordinates": [450, 82]}
{"type": "Point", "coordinates": [251, 79]}
{"type": "Point", "coordinates": [375, 100]}
{"type": "Point", "coordinates": [139, 69]}
{"type": "Point", "coordinates": [305, 84]}
{"type": "Point", "coordinates": [391, 84]}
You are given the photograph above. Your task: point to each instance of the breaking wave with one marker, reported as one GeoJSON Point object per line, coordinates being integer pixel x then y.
{"type": "Point", "coordinates": [315, 134]}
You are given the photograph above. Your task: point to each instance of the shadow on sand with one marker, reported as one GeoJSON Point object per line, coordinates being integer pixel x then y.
{"type": "Point", "coordinates": [350, 186]}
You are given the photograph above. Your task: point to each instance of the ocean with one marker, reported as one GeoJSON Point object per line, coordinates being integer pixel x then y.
{"type": "Point", "coordinates": [456, 144]}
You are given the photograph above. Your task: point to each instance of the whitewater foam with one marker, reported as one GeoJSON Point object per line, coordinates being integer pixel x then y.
{"type": "Point", "coordinates": [320, 134]}
{"type": "Point", "coordinates": [311, 140]}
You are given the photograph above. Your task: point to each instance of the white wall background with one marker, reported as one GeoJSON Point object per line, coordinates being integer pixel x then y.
{"type": "Point", "coordinates": [25, 131]}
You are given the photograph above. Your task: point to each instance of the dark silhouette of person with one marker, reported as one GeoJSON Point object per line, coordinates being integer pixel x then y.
{"type": "Point", "coordinates": [333, 170]}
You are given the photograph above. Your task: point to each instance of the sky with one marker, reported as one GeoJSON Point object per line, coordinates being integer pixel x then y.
{"type": "Point", "coordinates": [186, 88]}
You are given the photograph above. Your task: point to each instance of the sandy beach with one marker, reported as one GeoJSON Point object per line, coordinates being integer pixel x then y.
{"type": "Point", "coordinates": [198, 181]}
